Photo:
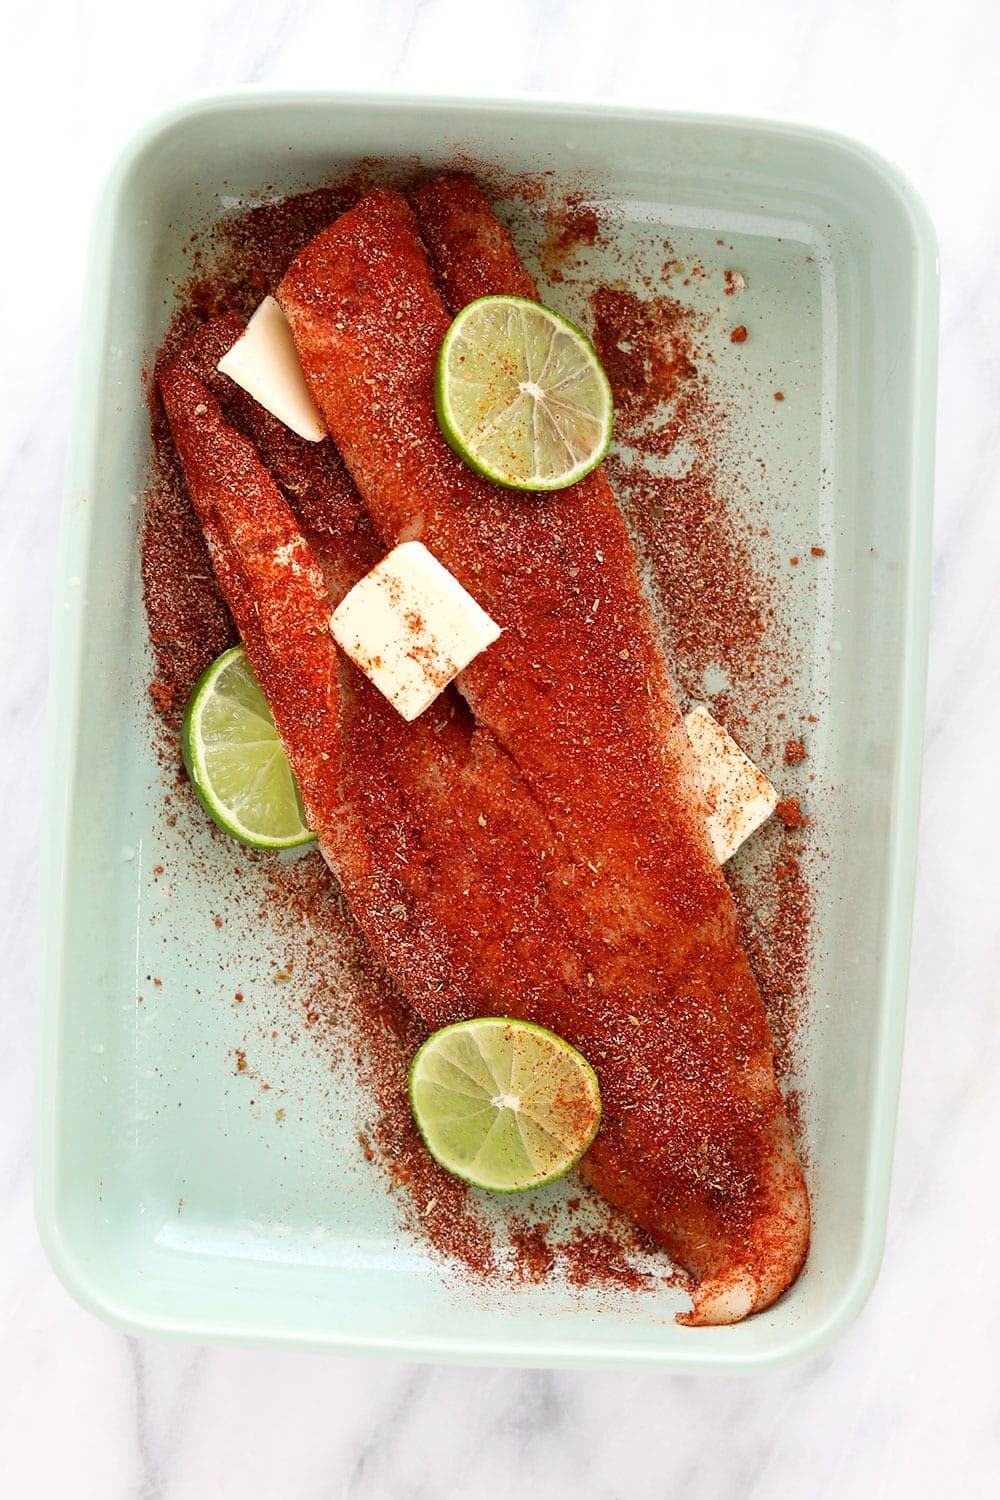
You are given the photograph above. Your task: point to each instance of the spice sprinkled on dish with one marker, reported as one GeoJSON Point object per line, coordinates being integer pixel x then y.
{"type": "Point", "coordinates": [534, 843]}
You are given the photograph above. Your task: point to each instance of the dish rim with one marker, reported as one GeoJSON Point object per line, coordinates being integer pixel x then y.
{"type": "Point", "coordinates": [75, 525]}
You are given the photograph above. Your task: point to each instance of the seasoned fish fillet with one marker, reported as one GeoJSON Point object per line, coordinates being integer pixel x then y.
{"type": "Point", "coordinates": [311, 476]}
{"type": "Point", "coordinates": [696, 1146]}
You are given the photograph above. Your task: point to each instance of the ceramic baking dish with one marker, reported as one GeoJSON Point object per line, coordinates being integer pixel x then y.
{"type": "Point", "coordinates": [168, 1198]}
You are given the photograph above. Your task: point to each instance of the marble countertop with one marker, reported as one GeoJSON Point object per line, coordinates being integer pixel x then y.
{"type": "Point", "coordinates": [907, 1403]}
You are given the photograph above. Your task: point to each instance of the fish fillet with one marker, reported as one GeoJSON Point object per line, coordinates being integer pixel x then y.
{"type": "Point", "coordinates": [428, 827]}
{"type": "Point", "coordinates": [697, 1146]}
{"type": "Point", "coordinates": [311, 476]}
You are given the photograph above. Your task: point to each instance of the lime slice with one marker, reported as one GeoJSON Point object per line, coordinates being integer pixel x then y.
{"type": "Point", "coordinates": [521, 396]}
{"type": "Point", "coordinates": [235, 760]}
{"type": "Point", "coordinates": [504, 1105]}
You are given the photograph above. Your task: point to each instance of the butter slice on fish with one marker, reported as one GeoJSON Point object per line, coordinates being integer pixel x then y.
{"type": "Point", "coordinates": [264, 362]}
{"type": "Point", "coordinates": [740, 797]}
{"type": "Point", "coordinates": [411, 627]}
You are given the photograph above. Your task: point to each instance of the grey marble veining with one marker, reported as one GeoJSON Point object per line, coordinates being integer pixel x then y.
{"type": "Point", "coordinates": [907, 1403]}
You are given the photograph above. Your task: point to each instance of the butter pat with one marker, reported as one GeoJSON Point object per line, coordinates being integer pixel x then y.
{"type": "Point", "coordinates": [411, 627]}
{"type": "Point", "coordinates": [740, 798]}
{"type": "Point", "coordinates": [264, 362]}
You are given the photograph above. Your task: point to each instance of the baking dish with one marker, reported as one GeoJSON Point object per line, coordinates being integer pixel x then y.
{"type": "Point", "coordinates": [167, 1201]}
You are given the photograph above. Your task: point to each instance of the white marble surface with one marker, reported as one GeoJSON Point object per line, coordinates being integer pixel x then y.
{"type": "Point", "coordinates": [908, 1402]}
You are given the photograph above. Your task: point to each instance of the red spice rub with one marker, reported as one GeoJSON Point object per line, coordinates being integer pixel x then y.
{"type": "Point", "coordinates": [571, 225]}
{"type": "Point", "coordinates": [258, 245]}
{"type": "Point", "coordinates": [790, 813]}
{"type": "Point", "coordinates": [605, 1257]}
{"type": "Point", "coordinates": [645, 349]}
{"type": "Point", "coordinates": [189, 623]}
{"type": "Point", "coordinates": [776, 910]}
{"type": "Point", "coordinates": [596, 1256]}
{"type": "Point", "coordinates": [700, 560]}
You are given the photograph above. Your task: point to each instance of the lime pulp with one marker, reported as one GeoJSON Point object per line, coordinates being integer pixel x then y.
{"type": "Point", "coordinates": [504, 1105]}
{"type": "Point", "coordinates": [521, 395]}
{"type": "Point", "coordinates": [236, 761]}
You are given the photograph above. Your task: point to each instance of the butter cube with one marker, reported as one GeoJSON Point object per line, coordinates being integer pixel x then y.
{"type": "Point", "coordinates": [740, 798]}
{"type": "Point", "coordinates": [264, 362]}
{"type": "Point", "coordinates": [411, 627]}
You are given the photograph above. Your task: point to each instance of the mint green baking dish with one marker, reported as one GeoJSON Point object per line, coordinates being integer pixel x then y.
{"type": "Point", "coordinates": [167, 1202]}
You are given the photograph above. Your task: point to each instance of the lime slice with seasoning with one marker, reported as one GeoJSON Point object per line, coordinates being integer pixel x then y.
{"type": "Point", "coordinates": [504, 1105]}
{"type": "Point", "coordinates": [235, 760]}
{"type": "Point", "coordinates": [521, 395]}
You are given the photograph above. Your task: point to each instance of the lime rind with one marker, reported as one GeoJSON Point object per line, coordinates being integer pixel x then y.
{"type": "Point", "coordinates": [521, 395]}
{"type": "Point", "coordinates": [504, 1105]}
{"type": "Point", "coordinates": [235, 760]}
